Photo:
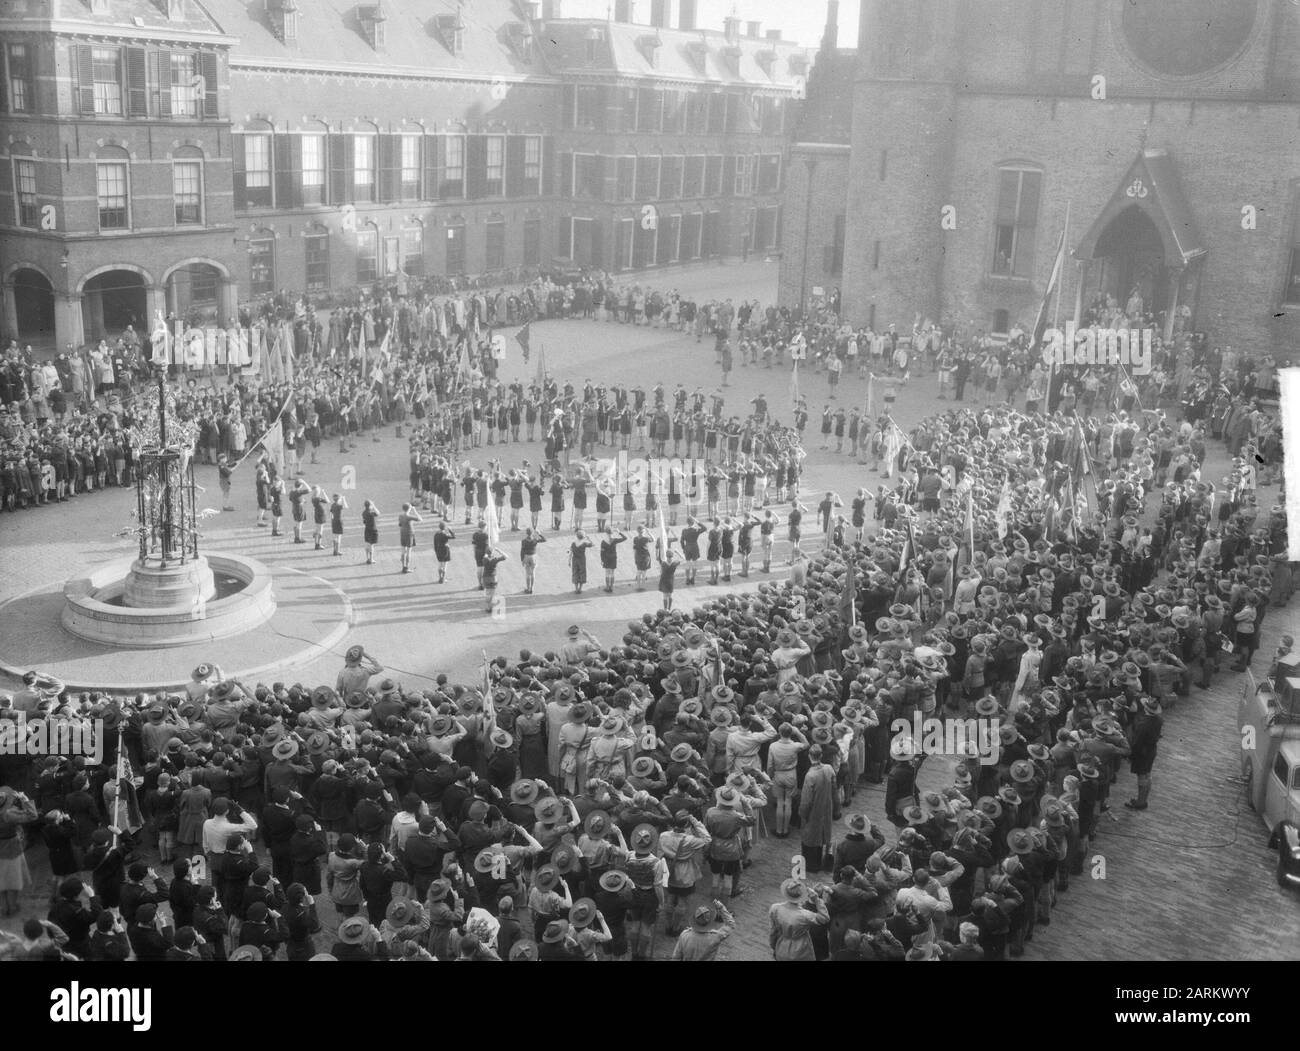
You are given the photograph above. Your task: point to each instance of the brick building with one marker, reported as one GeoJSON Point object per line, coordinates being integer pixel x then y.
{"type": "Point", "coordinates": [188, 157]}
{"type": "Point", "coordinates": [1167, 128]}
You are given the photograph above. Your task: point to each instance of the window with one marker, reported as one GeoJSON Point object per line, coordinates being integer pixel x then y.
{"type": "Point", "coordinates": [690, 241]}
{"type": "Point", "coordinates": [261, 266]}
{"type": "Point", "coordinates": [187, 99]}
{"type": "Point", "coordinates": [670, 178]}
{"type": "Point", "coordinates": [494, 257]}
{"type": "Point", "coordinates": [532, 241]}
{"type": "Point", "coordinates": [203, 285]}
{"type": "Point", "coordinates": [588, 175]}
{"type": "Point", "coordinates": [453, 174]}
{"type": "Point", "coordinates": [647, 178]}
{"type": "Point", "coordinates": [835, 250]}
{"type": "Point", "coordinates": [768, 177]}
{"type": "Point", "coordinates": [717, 104]}
{"type": "Point", "coordinates": [1001, 322]}
{"type": "Point", "coordinates": [629, 108]}
{"type": "Point", "coordinates": [697, 113]}
{"type": "Point", "coordinates": [713, 176]}
{"type": "Point", "coordinates": [110, 181]}
{"type": "Point", "coordinates": [741, 186]}
{"type": "Point", "coordinates": [1017, 215]}
{"type": "Point", "coordinates": [589, 109]}
{"type": "Point", "coordinates": [367, 256]}
{"type": "Point", "coordinates": [455, 248]}
{"type": "Point", "coordinates": [650, 110]}
{"type": "Point", "coordinates": [765, 228]}
{"type": "Point", "coordinates": [363, 167]}
{"type": "Point", "coordinates": [257, 169]}
{"type": "Point", "coordinates": [532, 180]}
{"type": "Point", "coordinates": [643, 245]}
{"type": "Point", "coordinates": [693, 176]}
{"type": "Point", "coordinates": [669, 228]}
{"type": "Point", "coordinates": [626, 178]}
{"type": "Point", "coordinates": [410, 190]}
{"type": "Point", "coordinates": [413, 250]}
{"type": "Point", "coordinates": [709, 234]}
{"type": "Point", "coordinates": [313, 169]}
{"type": "Point", "coordinates": [21, 94]}
{"type": "Point", "coordinates": [318, 261]}
{"type": "Point", "coordinates": [29, 211]}
{"type": "Point", "coordinates": [496, 166]}
{"type": "Point", "coordinates": [187, 191]}
{"type": "Point", "coordinates": [106, 66]}
{"type": "Point", "coordinates": [772, 116]}
{"type": "Point", "coordinates": [674, 111]}
{"type": "Point", "coordinates": [623, 245]}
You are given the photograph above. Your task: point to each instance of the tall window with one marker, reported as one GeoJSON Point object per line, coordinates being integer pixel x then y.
{"type": "Point", "coordinates": [692, 225]}
{"type": "Point", "coordinates": [187, 191]}
{"type": "Point", "coordinates": [670, 178]}
{"type": "Point", "coordinates": [496, 166]}
{"type": "Point", "coordinates": [768, 177]}
{"type": "Point", "coordinates": [589, 109]}
{"type": "Point", "coordinates": [318, 260]}
{"type": "Point", "coordinates": [713, 176]}
{"type": "Point", "coordinates": [674, 111]}
{"type": "Point", "coordinates": [532, 241]}
{"type": "Point", "coordinates": [413, 250]}
{"type": "Point", "coordinates": [650, 110]}
{"type": "Point", "coordinates": [588, 175]}
{"type": "Point", "coordinates": [187, 99]}
{"type": "Point", "coordinates": [20, 79]}
{"type": "Point", "coordinates": [313, 169]}
{"type": "Point", "coordinates": [111, 189]}
{"type": "Point", "coordinates": [453, 178]}
{"type": "Point", "coordinates": [495, 251]}
{"type": "Point", "coordinates": [203, 285]}
{"type": "Point", "coordinates": [1017, 216]}
{"type": "Point", "coordinates": [257, 168]}
{"type": "Point", "coordinates": [29, 211]}
{"type": "Point", "coordinates": [411, 170]}
{"type": "Point", "coordinates": [363, 167]}
{"type": "Point", "coordinates": [106, 65]}
{"type": "Point", "coordinates": [741, 186]}
{"type": "Point", "coordinates": [532, 166]}
{"type": "Point", "coordinates": [367, 256]}
{"type": "Point", "coordinates": [666, 247]}
{"type": "Point", "coordinates": [647, 178]}
{"type": "Point", "coordinates": [693, 177]}
{"type": "Point", "coordinates": [455, 248]}
{"type": "Point", "coordinates": [261, 266]}
{"type": "Point", "coordinates": [625, 170]}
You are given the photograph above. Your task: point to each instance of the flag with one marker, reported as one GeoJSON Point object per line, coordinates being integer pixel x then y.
{"type": "Point", "coordinates": [1004, 510]}
{"type": "Point", "coordinates": [794, 386]}
{"type": "Point", "coordinates": [493, 523]}
{"type": "Point", "coordinates": [126, 804]}
{"type": "Point", "coordinates": [871, 391]}
{"type": "Point", "coordinates": [1058, 266]}
{"type": "Point", "coordinates": [908, 554]}
{"type": "Point", "coordinates": [663, 534]}
{"type": "Point", "coordinates": [1084, 456]}
{"type": "Point", "coordinates": [273, 442]}
{"type": "Point", "coordinates": [522, 337]}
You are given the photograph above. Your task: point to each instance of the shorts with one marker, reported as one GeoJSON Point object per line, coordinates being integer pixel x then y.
{"type": "Point", "coordinates": [680, 894]}
{"type": "Point", "coordinates": [719, 867]}
{"type": "Point", "coordinates": [644, 907]}
{"type": "Point", "coordinates": [530, 561]}
{"type": "Point", "coordinates": [930, 505]}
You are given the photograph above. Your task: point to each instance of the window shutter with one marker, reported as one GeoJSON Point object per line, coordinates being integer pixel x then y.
{"type": "Point", "coordinates": [208, 69]}
{"type": "Point", "coordinates": [729, 175]}
{"type": "Point", "coordinates": [341, 175]}
{"type": "Point", "coordinates": [162, 80]}
{"type": "Point", "coordinates": [240, 180]}
{"type": "Point", "coordinates": [475, 166]}
{"type": "Point", "coordinates": [84, 61]}
{"type": "Point", "coordinates": [390, 163]}
{"type": "Point", "coordinates": [569, 100]}
{"type": "Point", "coordinates": [515, 165]}
{"type": "Point", "coordinates": [288, 174]}
{"type": "Point", "coordinates": [434, 157]}
{"type": "Point", "coordinates": [548, 165]}
{"type": "Point", "coordinates": [137, 82]}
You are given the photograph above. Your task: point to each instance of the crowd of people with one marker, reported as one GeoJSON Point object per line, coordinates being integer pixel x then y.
{"type": "Point", "coordinates": [604, 800]}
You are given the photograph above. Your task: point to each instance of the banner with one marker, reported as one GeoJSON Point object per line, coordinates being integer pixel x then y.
{"type": "Point", "coordinates": [493, 522]}
{"type": "Point", "coordinates": [522, 337]}
{"type": "Point", "coordinates": [1004, 511]}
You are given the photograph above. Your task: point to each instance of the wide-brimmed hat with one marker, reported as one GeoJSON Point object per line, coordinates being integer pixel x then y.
{"type": "Point", "coordinates": [486, 859]}
{"type": "Point", "coordinates": [681, 753]}
{"type": "Point", "coordinates": [643, 766]}
{"type": "Point", "coordinates": [1021, 771]}
{"type": "Point", "coordinates": [524, 791]}
{"type": "Point", "coordinates": [354, 929]}
{"type": "Point", "coordinates": [285, 749]}
{"type": "Point", "coordinates": [252, 954]}
{"type": "Point", "coordinates": [401, 911]}
{"type": "Point", "coordinates": [1008, 795]}
{"type": "Point", "coordinates": [439, 889]}
{"type": "Point", "coordinates": [794, 890]}
{"type": "Point", "coordinates": [546, 877]}
{"type": "Point", "coordinates": [721, 716]}
{"type": "Point", "coordinates": [989, 806]}
{"type": "Point", "coordinates": [582, 913]}
{"type": "Point", "coordinates": [596, 824]}
{"type": "Point", "coordinates": [614, 880]}
{"type": "Point", "coordinates": [318, 742]}
{"type": "Point", "coordinates": [565, 858]}
{"type": "Point", "coordinates": [548, 810]}
{"type": "Point", "coordinates": [727, 798]}
{"type": "Point", "coordinates": [644, 837]}
{"type": "Point", "coordinates": [1020, 841]}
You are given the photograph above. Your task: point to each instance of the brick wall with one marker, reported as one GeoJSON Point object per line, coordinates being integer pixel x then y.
{"type": "Point", "coordinates": [820, 200]}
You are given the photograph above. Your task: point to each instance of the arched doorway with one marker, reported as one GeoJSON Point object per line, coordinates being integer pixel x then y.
{"type": "Point", "coordinates": [194, 292]}
{"type": "Point", "coordinates": [111, 301]}
{"type": "Point", "coordinates": [1131, 254]}
{"type": "Point", "coordinates": [33, 306]}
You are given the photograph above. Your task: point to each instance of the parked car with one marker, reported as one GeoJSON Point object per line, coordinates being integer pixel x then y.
{"type": "Point", "coordinates": [1268, 720]}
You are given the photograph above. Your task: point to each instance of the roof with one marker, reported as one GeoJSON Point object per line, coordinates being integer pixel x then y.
{"type": "Point", "coordinates": [827, 114]}
{"type": "Point", "coordinates": [330, 35]}
{"type": "Point", "coordinates": [147, 15]}
{"type": "Point", "coordinates": [1151, 185]}
{"type": "Point", "coordinates": [619, 52]}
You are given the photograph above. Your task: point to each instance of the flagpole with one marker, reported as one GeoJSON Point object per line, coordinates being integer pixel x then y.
{"type": "Point", "coordinates": [117, 798]}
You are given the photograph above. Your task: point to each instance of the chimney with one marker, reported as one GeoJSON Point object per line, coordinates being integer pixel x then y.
{"type": "Point", "coordinates": [551, 9]}
{"type": "Point", "coordinates": [731, 28]}
{"type": "Point", "coordinates": [625, 10]}
{"type": "Point", "coordinates": [831, 35]}
{"type": "Point", "coordinates": [661, 14]}
{"type": "Point", "coordinates": [686, 15]}
{"type": "Point", "coordinates": [532, 10]}
{"type": "Point", "coordinates": [753, 30]}
{"type": "Point", "coordinates": [774, 36]}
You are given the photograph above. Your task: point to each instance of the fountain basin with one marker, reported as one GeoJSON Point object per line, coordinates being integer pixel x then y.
{"type": "Point", "coordinates": [94, 605]}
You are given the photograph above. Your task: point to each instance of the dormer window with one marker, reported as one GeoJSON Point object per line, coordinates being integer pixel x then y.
{"type": "Point", "coordinates": [649, 46]}
{"type": "Point", "coordinates": [373, 19]}
{"type": "Point", "coordinates": [766, 61]}
{"type": "Point", "coordinates": [452, 31]}
{"type": "Point", "coordinates": [593, 42]}
{"type": "Point", "coordinates": [731, 56]}
{"type": "Point", "coordinates": [698, 52]}
{"type": "Point", "coordinates": [174, 10]}
{"type": "Point", "coordinates": [520, 35]}
{"type": "Point", "coordinates": [798, 65]}
{"type": "Point", "coordinates": [99, 7]}
{"type": "Point", "coordinates": [284, 21]}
